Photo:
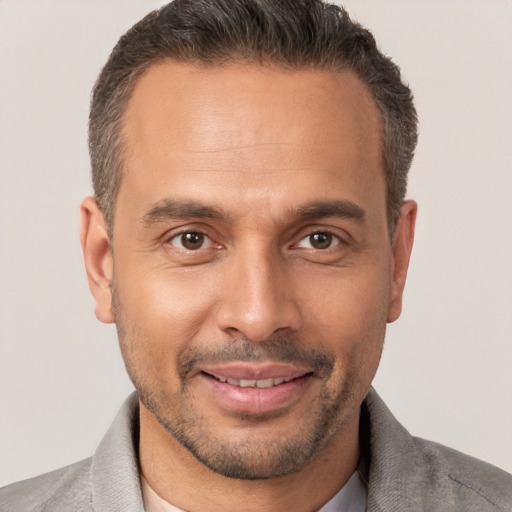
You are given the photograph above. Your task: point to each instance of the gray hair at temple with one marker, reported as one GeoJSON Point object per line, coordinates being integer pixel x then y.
{"type": "Point", "coordinates": [293, 34]}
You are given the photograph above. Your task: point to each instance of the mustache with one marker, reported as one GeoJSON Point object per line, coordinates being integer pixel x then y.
{"type": "Point", "coordinates": [276, 349]}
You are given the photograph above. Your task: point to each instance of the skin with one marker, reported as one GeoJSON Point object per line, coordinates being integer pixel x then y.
{"type": "Point", "coordinates": [266, 150]}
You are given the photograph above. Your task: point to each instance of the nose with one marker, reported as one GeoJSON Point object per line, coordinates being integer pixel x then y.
{"type": "Point", "coordinates": [257, 298]}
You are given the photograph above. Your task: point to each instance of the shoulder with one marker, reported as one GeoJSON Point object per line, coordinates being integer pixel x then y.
{"type": "Point", "coordinates": [467, 479]}
{"type": "Point", "coordinates": [68, 488]}
{"type": "Point", "coordinates": [109, 480]}
{"type": "Point", "coordinates": [410, 474]}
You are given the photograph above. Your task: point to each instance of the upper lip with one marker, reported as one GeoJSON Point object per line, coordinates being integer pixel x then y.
{"type": "Point", "coordinates": [255, 371]}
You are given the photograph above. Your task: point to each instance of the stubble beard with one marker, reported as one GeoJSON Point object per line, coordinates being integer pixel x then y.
{"type": "Point", "coordinates": [249, 459]}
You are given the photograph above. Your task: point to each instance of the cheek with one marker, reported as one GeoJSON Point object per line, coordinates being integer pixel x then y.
{"type": "Point", "coordinates": [347, 301]}
{"type": "Point", "coordinates": [347, 313]}
{"type": "Point", "coordinates": [158, 314]}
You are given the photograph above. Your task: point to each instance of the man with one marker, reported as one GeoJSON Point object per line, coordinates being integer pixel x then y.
{"type": "Point", "coordinates": [250, 239]}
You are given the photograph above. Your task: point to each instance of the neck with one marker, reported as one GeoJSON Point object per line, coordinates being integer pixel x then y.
{"type": "Point", "coordinates": [180, 479]}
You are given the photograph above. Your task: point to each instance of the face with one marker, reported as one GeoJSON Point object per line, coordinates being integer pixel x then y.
{"type": "Point", "coordinates": [252, 271]}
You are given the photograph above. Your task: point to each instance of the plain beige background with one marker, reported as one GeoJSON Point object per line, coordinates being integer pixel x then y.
{"type": "Point", "coordinates": [447, 366]}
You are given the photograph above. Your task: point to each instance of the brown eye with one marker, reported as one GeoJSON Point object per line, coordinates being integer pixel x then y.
{"type": "Point", "coordinates": [191, 241]}
{"type": "Point", "coordinates": [319, 240]}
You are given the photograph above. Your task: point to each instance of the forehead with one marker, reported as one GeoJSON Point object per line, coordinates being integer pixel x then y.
{"type": "Point", "coordinates": [172, 94]}
{"type": "Point", "coordinates": [248, 129]}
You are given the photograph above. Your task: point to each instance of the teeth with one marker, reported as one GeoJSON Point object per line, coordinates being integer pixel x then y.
{"type": "Point", "coordinates": [244, 383]}
{"type": "Point", "coordinates": [253, 383]}
{"type": "Point", "coordinates": [266, 383]}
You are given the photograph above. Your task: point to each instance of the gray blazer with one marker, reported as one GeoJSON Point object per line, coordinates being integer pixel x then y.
{"type": "Point", "coordinates": [404, 474]}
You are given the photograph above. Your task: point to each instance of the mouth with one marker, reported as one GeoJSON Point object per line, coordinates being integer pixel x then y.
{"type": "Point", "coordinates": [255, 383]}
{"type": "Point", "coordinates": [249, 388]}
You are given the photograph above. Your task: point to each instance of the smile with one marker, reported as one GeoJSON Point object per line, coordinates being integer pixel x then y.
{"type": "Point", "coordinates": [253, 383]}
{"type": "Point", "coordinates": [256, 388]}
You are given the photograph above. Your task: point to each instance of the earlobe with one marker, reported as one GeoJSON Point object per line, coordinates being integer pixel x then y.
{"type": "Point", "coordinates": [402, 247]}
{"type": "Point", "coordinates": [97, 257]}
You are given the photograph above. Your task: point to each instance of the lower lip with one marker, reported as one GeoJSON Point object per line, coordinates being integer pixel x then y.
{"type": "Point", "coordinates": [257, 400]}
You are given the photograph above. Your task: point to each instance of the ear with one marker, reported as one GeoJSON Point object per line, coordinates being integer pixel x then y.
{"type": "Point", "coordinates": [97, 257]}
{"type": "Point", "coordinates": [401, 254]}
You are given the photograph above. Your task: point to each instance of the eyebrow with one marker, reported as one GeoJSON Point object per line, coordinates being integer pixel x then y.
{"type": "Point", "coordinates": [337, 208]}
{"type": "Point", "coordinates": [172, 209]}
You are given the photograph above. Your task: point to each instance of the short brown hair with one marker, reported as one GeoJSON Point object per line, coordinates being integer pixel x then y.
{"type": "Point", "coordinates": [289, 33]}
